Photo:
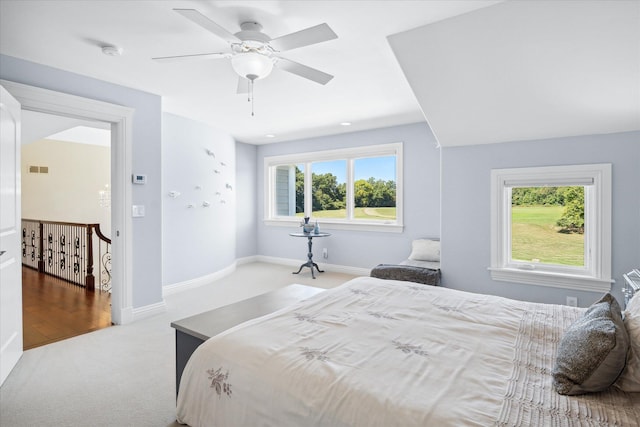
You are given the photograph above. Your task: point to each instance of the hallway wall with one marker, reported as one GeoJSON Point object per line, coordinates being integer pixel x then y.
{"type": "Point", "coordinates": [68, 192]}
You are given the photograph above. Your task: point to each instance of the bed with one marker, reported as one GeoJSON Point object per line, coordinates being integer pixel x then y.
{"type": "Point", "coordinates": [375, 352]}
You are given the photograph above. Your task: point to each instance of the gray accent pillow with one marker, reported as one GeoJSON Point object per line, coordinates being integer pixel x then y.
{"type": "Point", "coordinates": [593, 350]}
{"type": "Point", "coordinates": [426, 276]}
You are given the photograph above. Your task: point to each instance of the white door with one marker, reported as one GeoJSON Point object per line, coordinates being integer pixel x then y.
{"type": "Point", "coordinates": [10, 220]}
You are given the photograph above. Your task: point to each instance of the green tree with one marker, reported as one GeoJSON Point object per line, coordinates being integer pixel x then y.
{"type": "Point", "coordinates": [299, 190]}
{"type": "Point", "coordinates": [374, 193]}
{"type": "Point", "coordinates": [363, 191]}
{"type": "Point", "coordinates": [327, 193]}
{"type": "Point", "coordinates": [384, 193]}
{"type": "Point", "coordinates": [572, 219]}
{"type": "Point", "coordinates": [537, 196]}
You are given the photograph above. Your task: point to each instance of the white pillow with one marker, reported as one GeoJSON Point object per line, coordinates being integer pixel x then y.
{"type": "Point", "coordinates": [425, 250]}
{"type": "Point", "coordinates": [629, 381]}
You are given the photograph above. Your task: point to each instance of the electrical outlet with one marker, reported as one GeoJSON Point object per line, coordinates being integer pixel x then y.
{"type": "Point", "coordinates": [572, 301]}
{"type": "Point", "coordinates": [325, 253]}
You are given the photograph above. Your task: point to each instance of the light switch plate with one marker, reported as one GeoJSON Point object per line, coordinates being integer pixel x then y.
{"type": "Point", "coordinates": [137, 211]}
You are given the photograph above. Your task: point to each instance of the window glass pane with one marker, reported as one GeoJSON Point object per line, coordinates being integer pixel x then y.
{"type": "Point", "coordinates": [289, 190]}
{"type": "Point", "coordinates": [375, 188]}
{"type": "Point", "coordinates": [547, 225]}
{"type": "Point", "coordinates": [329, 195]}
{"type": "Point", "coordinates": [321, 185]}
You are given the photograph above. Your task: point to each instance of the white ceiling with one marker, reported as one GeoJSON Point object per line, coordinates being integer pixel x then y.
{"type": "Point", "coordinates": [37, 126]}
{"type": "Point", "coordinates": [486, 71]}
{"type": "Point", "coordinates": [369, 89]}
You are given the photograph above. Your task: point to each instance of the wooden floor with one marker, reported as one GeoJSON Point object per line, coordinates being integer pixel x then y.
{"type": "Point", "coordinates": [54, 310]}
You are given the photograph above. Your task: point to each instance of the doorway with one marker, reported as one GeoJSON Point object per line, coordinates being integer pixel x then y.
{"type": "Point", "coordinates": [120, 119]}
{"type": "Point", "coordinates": [66, 164]}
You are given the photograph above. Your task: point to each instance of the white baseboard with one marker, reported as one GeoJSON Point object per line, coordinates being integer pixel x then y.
{"type": "Point", "coordinates": [199, 281]}
{"type": "Point", "coordinates": [143, 312]}
{"type": "Point", "coordinates": [247, 260]}
{"type": "Point", "coordinates": [126, 316]}
{"type": "Point", "coordinates": [205, 280]}
{"type": "Point", "coordinates": [130, 314]}
{"type": "Point", "coordinates": [335, 268]}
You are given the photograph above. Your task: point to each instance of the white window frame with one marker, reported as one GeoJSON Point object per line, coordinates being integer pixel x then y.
{"type": "Point", "coordinates": [350, 155]}
{"type": "Point", "coordinates": [596, 274]}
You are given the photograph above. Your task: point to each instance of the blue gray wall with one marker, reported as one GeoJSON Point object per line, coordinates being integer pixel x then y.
{"type": "Point", "coordinates": [199, 240]}
{"type": "Point", "coordinates": [358, 248]}
{"type": "Point", "coordinates": [247, 218]}
{"type": "Point", "coordinates": [466, 208]}
{"type": "Point", "coordinates": [146, 159]}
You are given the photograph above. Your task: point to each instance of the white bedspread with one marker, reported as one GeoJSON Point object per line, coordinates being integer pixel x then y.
{"type": "Point", "coordinates": [387, 353]}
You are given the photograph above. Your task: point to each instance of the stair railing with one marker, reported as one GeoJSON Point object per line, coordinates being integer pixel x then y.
{"type": "Point", "coordinates": [66, 250]}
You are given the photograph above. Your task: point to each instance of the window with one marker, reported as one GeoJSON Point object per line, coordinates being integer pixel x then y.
{"type": "Point", "coordinates": [347, 188]}
{"type": "Point", "coordinates": [551, 226]}
{"type": "Point", "coordinates": [329, 189]}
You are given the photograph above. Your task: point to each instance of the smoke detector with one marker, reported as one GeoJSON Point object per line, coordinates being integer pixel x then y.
{"type": "Point", "coordinates": [112, 50]}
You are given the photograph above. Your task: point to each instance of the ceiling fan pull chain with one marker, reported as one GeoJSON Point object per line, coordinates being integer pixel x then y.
{"type": "Point", "coordinates": [252, 78]}
{"type": "Point", "coordinates": [252, 98]}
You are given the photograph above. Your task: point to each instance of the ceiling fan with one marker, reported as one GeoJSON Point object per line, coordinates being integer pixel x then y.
{"type": "Point", "coordinates": [254, 54]}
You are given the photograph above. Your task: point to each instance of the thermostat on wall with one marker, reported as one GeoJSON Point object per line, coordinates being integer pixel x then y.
{"type": "Point", "coordinates": [139, 179]}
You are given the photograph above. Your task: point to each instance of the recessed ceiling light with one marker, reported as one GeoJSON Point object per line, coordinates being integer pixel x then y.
{"type": "Point", "coordinates": [270, 135]}
{"type": "Point", "coordinates": [112, 50]}
{"type": "Point", "coordinates": [345, 124]}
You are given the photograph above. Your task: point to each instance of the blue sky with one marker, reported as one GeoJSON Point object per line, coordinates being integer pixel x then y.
{"type": "Point", "coordinates": [378, 167]}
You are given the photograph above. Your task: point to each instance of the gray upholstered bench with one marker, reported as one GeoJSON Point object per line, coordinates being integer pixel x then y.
{"type": "Point", "coordinates": [409, 273]}
{"type": "Point", "coordinates": [422, 266]}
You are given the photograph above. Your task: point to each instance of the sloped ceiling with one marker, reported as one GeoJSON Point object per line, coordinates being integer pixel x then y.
{"type": "Point", "coordinates": [523, 70]}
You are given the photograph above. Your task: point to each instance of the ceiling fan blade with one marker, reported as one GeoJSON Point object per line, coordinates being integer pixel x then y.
{"type": "Point", "coordinates": [312, 35]}
{"type": "Point", "coordinates": [215, 55]}
{"type": "Point", "coordinates": [304, 71]}
{"type": "Point", "coordinates": [243, 86]}
{"type": "Point", "coordinates": [206, 23]}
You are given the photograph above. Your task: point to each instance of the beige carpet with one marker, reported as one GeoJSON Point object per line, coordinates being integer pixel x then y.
{"type": "Point", "coordinates": [125, 375]}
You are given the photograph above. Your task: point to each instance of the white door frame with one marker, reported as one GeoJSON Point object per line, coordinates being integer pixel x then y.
{"type": "Point", "coordinates": [121, 119]}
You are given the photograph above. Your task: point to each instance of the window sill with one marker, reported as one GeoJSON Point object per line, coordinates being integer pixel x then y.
{"type": "Point", "coordinates": [354, 226]}
{"type": "Point", "coordinates": [555, 280]}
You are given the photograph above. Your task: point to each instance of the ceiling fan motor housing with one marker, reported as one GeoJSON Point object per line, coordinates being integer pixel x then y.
{"type": "Point", "coordinates": [252, 32]}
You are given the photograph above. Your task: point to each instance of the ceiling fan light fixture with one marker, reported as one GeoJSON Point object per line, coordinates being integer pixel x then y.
{"type": "Point", "coordinates": [252, 65]}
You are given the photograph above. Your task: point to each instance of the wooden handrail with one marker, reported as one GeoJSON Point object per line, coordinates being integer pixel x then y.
{"type": "Point", "coordinates": [78, 224]}
{"type": "Point", "coordinates": [100, 235]}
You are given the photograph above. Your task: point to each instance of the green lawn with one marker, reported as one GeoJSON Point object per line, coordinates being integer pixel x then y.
{"type": "Point", "coordinates": [359, 213]}
{"type": "Point", "coordinates": [534, 235]}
